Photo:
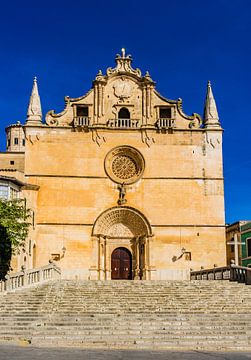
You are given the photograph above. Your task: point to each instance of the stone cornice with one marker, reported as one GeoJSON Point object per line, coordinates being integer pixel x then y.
{"type": "Point", "coordinates": [105, 177]}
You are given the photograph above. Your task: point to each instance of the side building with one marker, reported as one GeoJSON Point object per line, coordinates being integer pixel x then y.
{"type": "Point", "coordinates": [122, 183]}
{"type": "Point", "coordinates": [246, 244]}
{"type": "Point", "coordinates": [238, 243]}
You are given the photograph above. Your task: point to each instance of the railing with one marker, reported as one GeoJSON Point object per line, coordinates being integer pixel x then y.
{"type": "Point", "coordinates": [232, 272]}
{"type": "Point", "coordinates": [30, 277]}
{"type": "Point", "coordinates": [165, 123]}
{"type": "Point", "coordinates": [241, 274]}
{"type": "Point", "coordinates": [81, 121]}
{"type": "Point", "coordinates": [123, 123]}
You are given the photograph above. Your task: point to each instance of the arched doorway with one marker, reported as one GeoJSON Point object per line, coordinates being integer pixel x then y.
{"type": "Point", "coordinates": [121, 264]}
{"type": "Point", "coordinates": [126, 228]}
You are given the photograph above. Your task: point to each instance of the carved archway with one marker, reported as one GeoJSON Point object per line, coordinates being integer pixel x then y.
{"type": "Point", "coordinates": [122, 222]}
{"type": "Point", "coordinates": [117, 227]}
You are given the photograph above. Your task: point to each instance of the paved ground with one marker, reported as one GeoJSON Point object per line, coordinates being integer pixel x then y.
{"type": "Point", "coordinates": [8, 352]}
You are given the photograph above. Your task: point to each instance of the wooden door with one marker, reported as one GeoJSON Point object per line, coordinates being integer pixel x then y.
{"type": "Point", "coordinates": [121, 264]}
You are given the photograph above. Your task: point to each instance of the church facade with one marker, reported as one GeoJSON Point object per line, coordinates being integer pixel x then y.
{"type": "Point", "coordinates": [122, 184]}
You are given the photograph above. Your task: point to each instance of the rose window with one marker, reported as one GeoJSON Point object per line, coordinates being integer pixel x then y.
{"type": "Point", "coordinates": [124, 167]}
{"type": "Point", "coordinates": [124, 164]}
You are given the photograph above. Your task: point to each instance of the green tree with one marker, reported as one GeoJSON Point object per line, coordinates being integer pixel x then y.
{"type": "Point", "coordinates": [14, 227]}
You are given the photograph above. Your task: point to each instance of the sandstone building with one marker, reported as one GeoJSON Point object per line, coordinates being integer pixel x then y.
{"type": "Point", "coordinates": [122, 184]}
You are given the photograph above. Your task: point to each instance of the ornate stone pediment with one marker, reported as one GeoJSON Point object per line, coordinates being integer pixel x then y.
{"type": "Point", "coordinates": [123, 66]}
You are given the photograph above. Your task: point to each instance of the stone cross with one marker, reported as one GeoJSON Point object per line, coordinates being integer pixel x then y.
{"type": "Point", "coordinates": [236, 248]}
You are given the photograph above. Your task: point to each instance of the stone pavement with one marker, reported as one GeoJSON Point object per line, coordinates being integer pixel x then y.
{"type": "Point", "coordinates": [9, 352]}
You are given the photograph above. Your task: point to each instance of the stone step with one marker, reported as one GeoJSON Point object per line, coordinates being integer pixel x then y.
{"type": "Point", "coordinates": [128, 314]}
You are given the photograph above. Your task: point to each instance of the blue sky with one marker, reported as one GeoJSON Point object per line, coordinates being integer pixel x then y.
{"type": "Point", "coordinates": [182, 43]}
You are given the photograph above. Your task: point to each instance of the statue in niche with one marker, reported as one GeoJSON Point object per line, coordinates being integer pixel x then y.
{"type": "Point", "coordinates": [122, 193]}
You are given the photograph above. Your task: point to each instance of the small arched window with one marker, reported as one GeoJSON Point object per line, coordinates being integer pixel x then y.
{"type": "Point", "coordinates": [124, 113]}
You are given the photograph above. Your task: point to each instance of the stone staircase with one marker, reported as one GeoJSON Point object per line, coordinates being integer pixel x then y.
{"type": "Point", "coordinates": [208, 315]}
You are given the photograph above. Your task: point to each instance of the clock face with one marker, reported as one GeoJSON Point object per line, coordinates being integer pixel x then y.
{"type": "Point", "coordinates": [124, 164]}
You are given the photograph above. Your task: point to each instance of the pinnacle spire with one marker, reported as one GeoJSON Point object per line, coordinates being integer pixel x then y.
{"type": "Point", "coordinates": [34, 113]}
{"type": "Point", "coordinates": [211, 117]}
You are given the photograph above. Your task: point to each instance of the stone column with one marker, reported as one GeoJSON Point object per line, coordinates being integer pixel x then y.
{"type": "Point", "coordinates": [103, 101]}
{"type": "Point", "coordinates": [151, 103]}
{"type": "Point", "coordinates": [148, 102]}
{"type": "Point", "coordinates": [144, 104]}
{"type": "Point", "coordinates": [94, 268]}
{"type": "Point", "coordinates": [147, 259]}
{"type": "Point", "coordinates": [137, 256]}
{"type": "Point", "coordinates": [144, 265]}
{"type": "Point", "coordinates": [99, 100]}
{"type": "Point", "coordinates": [108, 259]}
{"type": "Point", "coordinates": [102, 258]}
{"type": "Point", "coordinates": [95, 103]}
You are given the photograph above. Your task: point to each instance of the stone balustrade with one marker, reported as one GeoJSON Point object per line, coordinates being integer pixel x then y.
{"type": "Point", "coordinates": [123, 123]}
{"type": "Point", "coordinates": [30, 277]}
{"type": "Point", "coordinates": [232, 273]}
{"type": "Point", "coordinates": [81, 121]}
{"type": "Point", "coordinates": [165, 123]}
{"type": "Point", "coordinates": [241, 274]}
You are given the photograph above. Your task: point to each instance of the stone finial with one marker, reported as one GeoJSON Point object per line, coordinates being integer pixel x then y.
{"type": "Point", "coordinates": [34, 113]}
{"type": "Point", "coordinates": [123, 65]}
{"type": "Point", "coordinates": [211, 117]}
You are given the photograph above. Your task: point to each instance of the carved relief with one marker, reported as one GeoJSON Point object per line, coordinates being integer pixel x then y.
{"type": "Point", "coordinates": [146, 139]}
{"type": "Point", "coordinates": [119, 230]}
{"type": "Point", "coordinates": [123, 221]}
{"type": "Point", "coordinates": [97, 138]}
{"type": "Point", "coordinates": [122, 89]}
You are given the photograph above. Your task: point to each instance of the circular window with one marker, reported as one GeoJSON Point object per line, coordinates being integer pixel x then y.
{"type": "Point", "coordinates": [124, 164]}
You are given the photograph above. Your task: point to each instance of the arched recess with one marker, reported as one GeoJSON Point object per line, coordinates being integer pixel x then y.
{"type": "Point", "coordinates": [117, 227]}
{"type": "Point", "coordinates": [121, 221]}
{"type": "Point", "coordinates": [124, 113]}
